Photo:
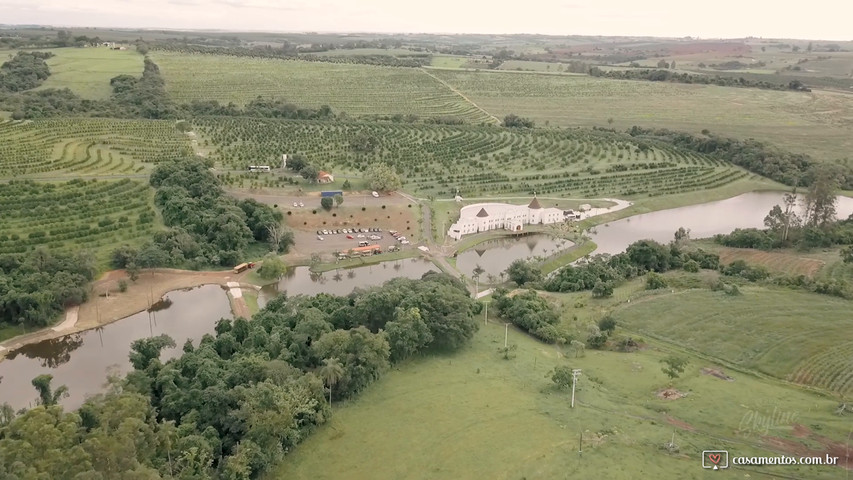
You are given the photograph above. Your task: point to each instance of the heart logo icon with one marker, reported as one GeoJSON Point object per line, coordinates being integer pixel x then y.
{"type": "Point", "coordinates": [714, 457]}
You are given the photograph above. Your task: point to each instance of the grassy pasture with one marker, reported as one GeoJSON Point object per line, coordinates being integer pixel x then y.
{"type": "Point", "coordinates": [354, 89]}
{"type": "Point", "coordinates": [82, 146]}
{"type": "Point", "coordinates": [92, 215]}
{"type": "Point", "coordinates": [817, 123]}
{"type": "Point", "coordinates": [475, 415]}
{"type": "Point", "coordinates": [802, 337]}
{"type": "Point", "coordinates": [87, 71]}
{"type": "Point", "coordinates": [479, 161]}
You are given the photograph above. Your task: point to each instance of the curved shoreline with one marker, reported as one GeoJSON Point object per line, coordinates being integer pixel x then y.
{"type": "Point", "coordinates": [151, 286]}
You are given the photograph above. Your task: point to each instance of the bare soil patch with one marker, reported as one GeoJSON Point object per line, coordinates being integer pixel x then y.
{"type": "Point", "coordinates": [715, 372]}
{"type": "Point", "coordinates": [680, 424]}
{"type": "Point", "coordinates": [828, 446]}
{"type": "Point", "coordinates": [107, 304]}
{"type": "Point", "coordinates": [670, 394]}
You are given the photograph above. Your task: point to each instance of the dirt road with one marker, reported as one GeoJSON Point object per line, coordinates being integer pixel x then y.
{"type": "Point", "coordinates": [101, 310]}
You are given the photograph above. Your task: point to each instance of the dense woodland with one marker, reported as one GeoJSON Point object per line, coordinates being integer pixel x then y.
{"type": "Point", "coordinates": [206, 227]}
{"type": "Point", "coordinates": [24, 71]}
{"type": "Point", "coordinates": [36, 286]}
{"type": "Point", "coordinates": [235, 404]}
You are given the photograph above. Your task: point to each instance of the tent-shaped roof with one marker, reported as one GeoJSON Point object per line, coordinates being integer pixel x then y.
{"type": "Point", "coordinates": [534, 204]}
{"type": "Point", "coordinates": [482, 213]}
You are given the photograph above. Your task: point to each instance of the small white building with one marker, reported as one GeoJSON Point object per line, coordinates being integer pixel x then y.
{"type": "Point", "coordinates": [482, 217]}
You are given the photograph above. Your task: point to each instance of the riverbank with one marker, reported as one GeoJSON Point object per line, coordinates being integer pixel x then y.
{"type": "Point", "coordinates": [107, 304]}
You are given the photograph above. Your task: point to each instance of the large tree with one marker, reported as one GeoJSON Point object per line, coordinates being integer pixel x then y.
{"type": "Point", "coordinates": [821, 197]}
{"type": "Point", "coordinates": [382, 178]}
{"type": "Point", "coordinates": [331, 372]}
{"type": "Point", "coordinates": [48, 396]}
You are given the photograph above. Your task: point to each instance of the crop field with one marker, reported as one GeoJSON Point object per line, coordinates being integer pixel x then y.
{"type": "Point", "coordinates": [488, 417]}
{"type": "Point", "coordinates": [82, 146]}
{"type": "Point", "coordinates": [79, 214]}
{"type": "Point", "coordinates": [776, 262]}
{"type": "Point", "coordinates": [784, 333]}
{"type": "Point", "coordinates": [354, 89]}
{"type": "Point", "coordinates": [477, 160]}
{"type": "Point", "coordinates": [87, 71]}
{"type": "Point", "coordinates": [818, 123]}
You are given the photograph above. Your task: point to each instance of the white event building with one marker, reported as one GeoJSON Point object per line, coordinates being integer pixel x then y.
{"type": "Point", "coordinates": [482, 217]}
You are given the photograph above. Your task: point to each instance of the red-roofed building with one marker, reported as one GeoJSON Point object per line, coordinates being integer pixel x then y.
{"type": "Point", "coordinates": [325, 177]}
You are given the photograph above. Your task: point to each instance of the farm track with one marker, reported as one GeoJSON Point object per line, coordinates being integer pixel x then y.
{"type": "Point", "coordinates": [457, 92]}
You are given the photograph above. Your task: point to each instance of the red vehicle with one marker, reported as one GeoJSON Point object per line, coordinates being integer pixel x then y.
{"type": "Point", "coordinates": [349, 237]}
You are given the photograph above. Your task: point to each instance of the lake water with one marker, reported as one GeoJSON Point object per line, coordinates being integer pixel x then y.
{"type": "Point", "coordinates": [82, 361]}
{"type": "Point", "coordinates": [705, 220]}
{"type": "Point", "coordinates": [300, 280]}
{"type": "Point", "coordinates": [494, 256]}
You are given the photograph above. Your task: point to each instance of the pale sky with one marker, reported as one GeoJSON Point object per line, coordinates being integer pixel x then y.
{"type": "Point", "coordinates": [813, 19]}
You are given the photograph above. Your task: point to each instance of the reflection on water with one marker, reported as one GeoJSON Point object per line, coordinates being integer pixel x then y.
{"type": "Point", "coordinates": [161, 304]}
{"type": "Point", "coordinates": [494, 256]}
{"type": "Point", "coordinates": [81, 361]}
{"type": "Point", "coordinates": [50, 353]}
{"type": "Point", "coordinates": [705, 220]}
{"type": "Point", "coordinates": [302, 281]}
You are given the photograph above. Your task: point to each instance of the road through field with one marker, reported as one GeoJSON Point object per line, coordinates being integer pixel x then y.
{"type": "Point", "coordinates": [457, 92]}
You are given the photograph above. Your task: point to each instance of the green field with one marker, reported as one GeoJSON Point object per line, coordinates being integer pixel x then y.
{"type": "Point", "coordinates": [479, 161]}
{"type": "Point", "coordinates": [85, 146]}
{"type": "Point", "coordinates": [92, 215]}
{"type": "Point", "coordinates": [475, 415]}
{"type": "Point", "coordinates": [87, 71]}
{"type": "Point", "coordinates": [354, 89]}
{"type": "Point", "coordinates": [802, 337]}
{"type": "Point", "coordinates": [817, 123]}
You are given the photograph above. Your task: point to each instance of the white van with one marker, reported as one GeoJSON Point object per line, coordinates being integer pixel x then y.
{"type": "Point", "coordinates": [363, 243]}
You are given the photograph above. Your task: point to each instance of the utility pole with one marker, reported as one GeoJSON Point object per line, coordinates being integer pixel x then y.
{"type": "Point", "coordinates": [506, 336]}
{"type": "Point", "coordinates": [575, 373]}
{"type": "Point", "coordinates": [486, 315]}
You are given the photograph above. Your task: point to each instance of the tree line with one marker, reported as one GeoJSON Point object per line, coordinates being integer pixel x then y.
{"type": "Point", "coordinates": [206, 227]}
{"type": "Point", "coordinates": [24, 71]}
{"type": "Point", "coordinates": [36, 286]}
{"type": "Point", "coordinates": [132, 97]}
{"type": "Point", "coordinates": [794, 169]}
{"type": "Point", "coordinates": [234, 405]}
{"type": "Point", "coordinates": [659, 75]}
{"type": "Point", "coordinates": [290, 52]}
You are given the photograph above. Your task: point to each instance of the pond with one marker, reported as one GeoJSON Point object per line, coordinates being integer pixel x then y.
{"type": "Point", "coordinates": [82, 361]}
{"type": "Point", "coordinates": [494, 256]}
{"type": "Point", "coordinates": [704, 220]}
{"type": "Point", "coordinates": [300, 280]}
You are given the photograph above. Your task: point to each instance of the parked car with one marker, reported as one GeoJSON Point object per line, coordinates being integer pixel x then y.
{"type": "Point", "coordinates": [405, 242]}
{"type": "Point", "coordinates": [319, 232]}
{"type": "Point", "coordinates": [295, 204]}
{"type": "Point", "coordinates": [325, 232]}
{"type": "Point", "coordinates": [375, 194]}
{"type": "Point", "coordinates": [401, 238]}
{"type": "Point", "coordinates": [346, 230]}
{"type": "Point", "coordinates": [360, 235]}
{"type": "Point", "coordinates": [301, 204]}
{"type": "Point", "coordinates": [349, 237]}
{"type": "Point", "coordinates": [375, 237]}
{"type": "Point", "coordinates": [320, 238]}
